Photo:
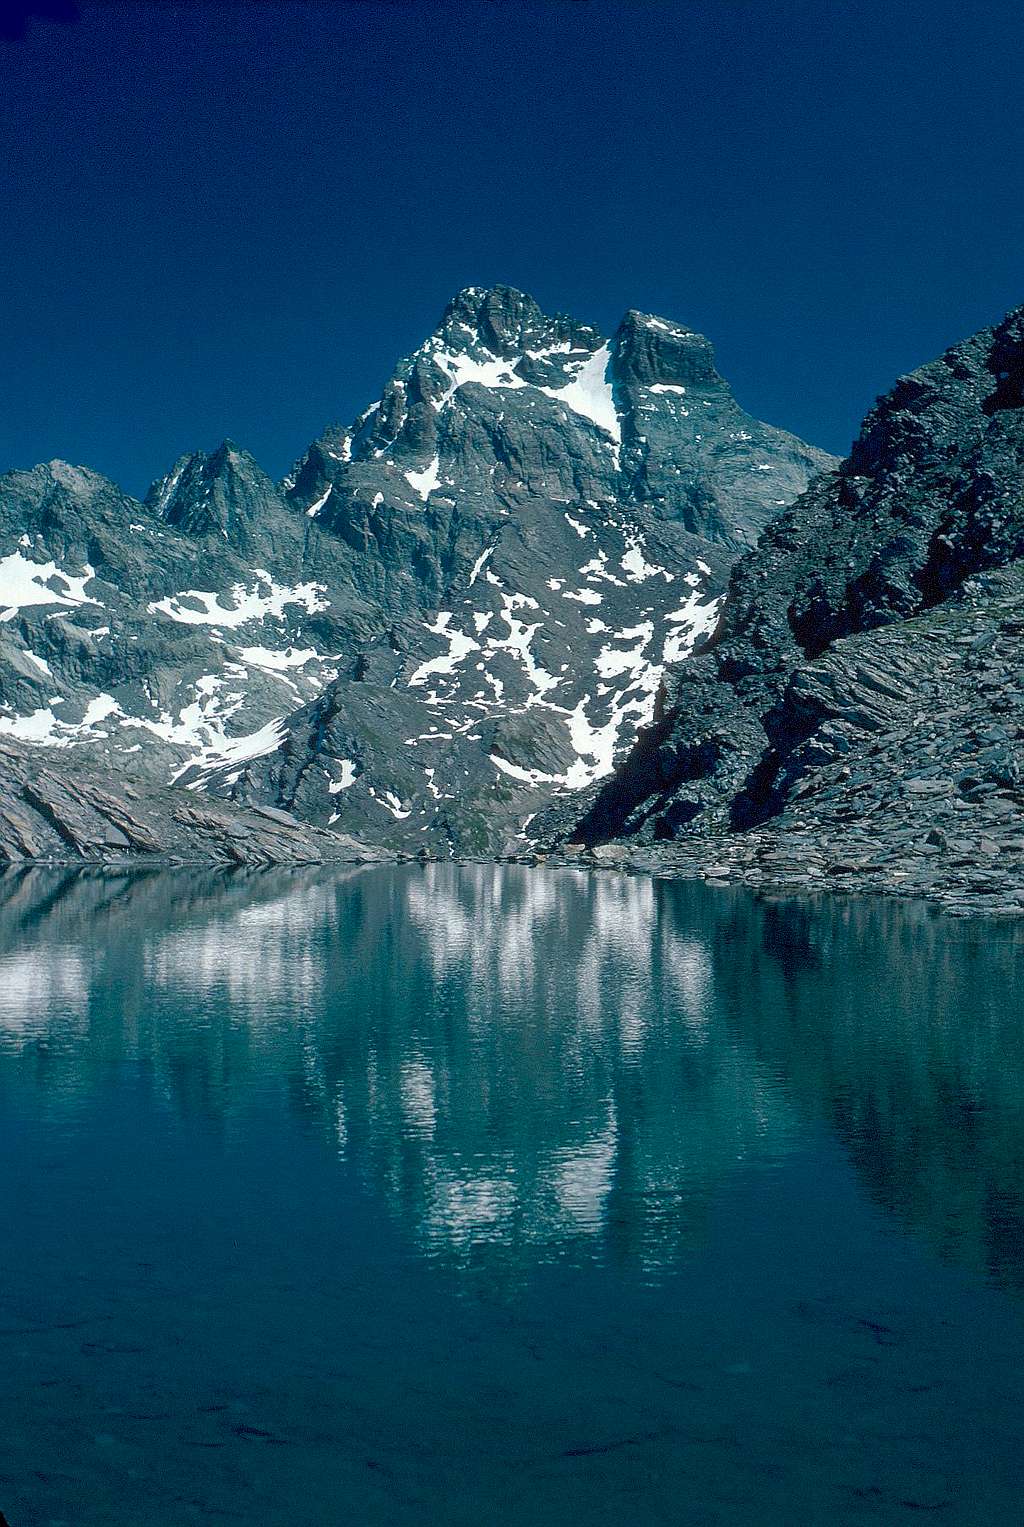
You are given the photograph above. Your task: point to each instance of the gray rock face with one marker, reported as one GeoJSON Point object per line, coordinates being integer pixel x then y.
{"type": "Point", "coordinates": [690, 451]}
{"type": "Point", "coordinates": [503, 406]}
{"type": "Point", "coordinates": [65, 808]}
{"type": "Point", "coordinates": [124, 632]}
{"type": "Point", "coordinates": [446, 615]}
{"type": "Point", "coordinates": [862, 686]}
{"type": "Point", "coordinates": [227, 497]}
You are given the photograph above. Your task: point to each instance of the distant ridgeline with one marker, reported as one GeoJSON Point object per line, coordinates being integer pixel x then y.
{"type": "Point", "coordinates": [448, 616]}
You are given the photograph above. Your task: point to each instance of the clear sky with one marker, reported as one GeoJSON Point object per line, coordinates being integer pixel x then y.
{"type": "Point", "coordinates": [233, 219]}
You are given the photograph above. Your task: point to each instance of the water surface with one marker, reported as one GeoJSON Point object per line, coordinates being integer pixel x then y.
{"type": "Point", "coordinates": [491, 1195]}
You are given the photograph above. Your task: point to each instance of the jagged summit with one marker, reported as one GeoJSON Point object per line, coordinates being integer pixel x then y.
{"type": "Point", "coordinates": [76, 479]}
{"type": "Point", "coordinates": [63, 480]}
{"type": "Point", "coordinates": [73, 514]}
{"type": "Point", "coordinates": [508, 323]}
{"type": "Point", "coordinates": [505, 400]}
{"type": "Point", "coordinates": [228, 459]}
{"type": "Point", "coordinates": [650, 351]}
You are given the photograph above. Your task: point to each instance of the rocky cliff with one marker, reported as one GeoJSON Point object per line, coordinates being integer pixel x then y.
{"type": "Point", "coordinates": [857, 715]}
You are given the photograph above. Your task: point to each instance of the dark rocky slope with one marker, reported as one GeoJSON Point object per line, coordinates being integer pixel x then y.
{"type": "Point", "coordinates": [857, 717]}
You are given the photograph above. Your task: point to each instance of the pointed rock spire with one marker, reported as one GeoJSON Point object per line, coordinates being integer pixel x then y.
{"type": "Point", "coordinates": [224, 493]}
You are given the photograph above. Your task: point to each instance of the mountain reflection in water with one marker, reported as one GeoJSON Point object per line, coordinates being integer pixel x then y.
{"type": "Point", "coordinates": [531, 1065]}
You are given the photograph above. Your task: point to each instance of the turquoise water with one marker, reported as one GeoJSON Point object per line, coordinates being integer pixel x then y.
{"type": "Point", "coordinates": [488, 1195]}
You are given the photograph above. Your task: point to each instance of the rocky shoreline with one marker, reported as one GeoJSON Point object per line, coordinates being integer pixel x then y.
{"type": "Point", "coordinates": [955, 882]}
{"type": "Point", "coordinates": [969, 878]}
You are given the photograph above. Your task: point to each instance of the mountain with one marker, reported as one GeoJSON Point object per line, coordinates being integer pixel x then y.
{"type": "Point", "coordinates": [547, 517]}
{"type": "Point", "coordinates": [447, 614]}
{"type": "Point", "coordinates": [857, 715]}
{"type": "Point", "coordinates": [138, 636]}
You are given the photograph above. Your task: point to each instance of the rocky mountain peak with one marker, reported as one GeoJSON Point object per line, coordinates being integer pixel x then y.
{"type": "Point", "coordinates": [456, 607]}
{"type": "Point", "coordinates": [222, 493]}
{"type": "Point", "coordinates": [507, 323]}
{"type": "Point", "coordinates": [65, 511]}
{"type": "Point", "coordinates": [229, 456]}
{"type": "Point", "coordinates": [80, 482]}
{"type": "Point", "coordinates": [651, 351]}
{"type": "Point", "coordinates": [497, 339]}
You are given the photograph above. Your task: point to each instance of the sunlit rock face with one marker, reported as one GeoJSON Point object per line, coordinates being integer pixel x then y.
{"type": "Point", "coordinates": [531, 1065]}
{"type": "Point", "coordinates": [449, 612]}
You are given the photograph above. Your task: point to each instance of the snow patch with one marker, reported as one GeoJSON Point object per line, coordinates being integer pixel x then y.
{"type": "Point", "coordinates": [519, 641]}
{"type": "Point", "coordinates": [461, 368]}
{"type": "Point", "coordinates": [659, 323]}
{"type": "Point", "coordinates": [590, 394]}
{"type": "Point", "coordinates": [266, 599]}
{"type": "Point", "coordinates": [348, 776]}
{"type": "Point", "coordinates": [426, 481]}
{"type": "Point", "coordinates": [636, 566]}
{"type": "Point", "coordinates": [459, 647]}
{"type": "Point", "coordinates": [524, 776]}
{"type": "Point", "coordinates": [277, 662]}
{"type": "Point", "coordinates": [478, 565]}
{"type": "Point", "coordinates": [24, 583]}
{"type": "Point", "coordinates": [321, 501]}
{"type": "Point", "coordinates": [694, 619]}
{"type": "Point", "coordinates": [236, 751]}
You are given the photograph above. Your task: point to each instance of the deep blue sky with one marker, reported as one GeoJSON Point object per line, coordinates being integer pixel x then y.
{"type": "Point", "coordinates": [232, 220]}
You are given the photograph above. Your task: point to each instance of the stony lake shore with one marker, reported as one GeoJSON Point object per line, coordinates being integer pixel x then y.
{"type": "Point", "coordinates": [953, 840]}
{"type": "Point", "coordinates": [962, 879]}
{"type": "Point", "coordinates": [966, 878]}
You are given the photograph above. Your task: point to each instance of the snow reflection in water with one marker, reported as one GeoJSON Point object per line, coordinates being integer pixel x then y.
{"type": "Point", "coordinates": [515, 1059]}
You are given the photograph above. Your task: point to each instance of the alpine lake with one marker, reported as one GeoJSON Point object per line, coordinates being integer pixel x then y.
{"type": "Point", "coordinates": [481, 1195]}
